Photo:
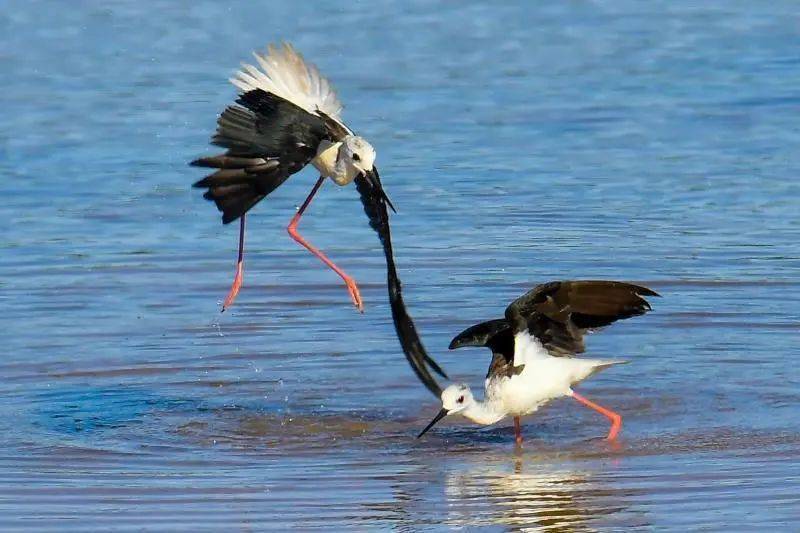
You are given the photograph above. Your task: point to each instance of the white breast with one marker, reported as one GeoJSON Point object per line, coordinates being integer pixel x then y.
{"type": "Point", "coordinates": [325, 163]}
{"type": "Point", "coordinates": [325, 160]}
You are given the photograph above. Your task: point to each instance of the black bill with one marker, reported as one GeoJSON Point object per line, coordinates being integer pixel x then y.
{"type": "Point", "coordinates": [442, 414]}
{"type": "Point", "coordinates": [375, 180]}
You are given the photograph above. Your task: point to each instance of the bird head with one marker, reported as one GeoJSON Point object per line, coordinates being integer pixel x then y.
{"type": "Point", "coordinates": [455, 399]}
{"type": "Point", "coordinates": [357, 156]}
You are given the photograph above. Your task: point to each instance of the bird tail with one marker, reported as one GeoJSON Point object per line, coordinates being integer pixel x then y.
{"type": "Point", "coordinates": [239, 183]}
{"type": "Point", "coordinates": [589, 367]}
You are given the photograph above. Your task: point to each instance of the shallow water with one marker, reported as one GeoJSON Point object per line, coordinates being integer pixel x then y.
{"type": "Point", "coordinates": [655, 143]}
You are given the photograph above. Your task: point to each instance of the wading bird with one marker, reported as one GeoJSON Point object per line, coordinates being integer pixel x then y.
{"type": "Point", "coordinates": [533, 348]}
{"type": "Point", "coordinates": [287, 116]}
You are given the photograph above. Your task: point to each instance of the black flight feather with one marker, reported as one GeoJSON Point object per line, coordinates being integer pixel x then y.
{"type": "Point", "coordinates": [267, 139]}
{"type": "Point", "coordinates": [375, 208]}
{"type": "Point", "coordinates": [558, 314]}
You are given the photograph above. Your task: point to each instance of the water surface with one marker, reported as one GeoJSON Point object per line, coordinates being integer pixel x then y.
{"type": "Point", "coordinates": [654, 143]}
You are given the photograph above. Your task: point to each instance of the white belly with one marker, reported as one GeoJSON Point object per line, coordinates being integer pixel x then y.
{"type": "Point", "coordinates": [543, 377]}
{"type": "Point", "coordinates": [539, 382]}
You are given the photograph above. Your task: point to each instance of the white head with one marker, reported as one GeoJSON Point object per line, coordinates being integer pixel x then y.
{"type": "Point", "coordinates": [455, 399]}
{"type": "Point", "coordinates": [356, 156]}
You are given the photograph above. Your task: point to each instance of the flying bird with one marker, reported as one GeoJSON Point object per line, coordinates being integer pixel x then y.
{"type": "Point", "coordinates": [287, 115]}
{"type": "Point", "coordinates": [533, 349]}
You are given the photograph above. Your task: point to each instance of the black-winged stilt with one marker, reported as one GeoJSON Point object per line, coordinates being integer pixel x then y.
{"type": "Point", "coordinates": [287, 116]}
{"type": "Point", "coordinates": [533, 349]}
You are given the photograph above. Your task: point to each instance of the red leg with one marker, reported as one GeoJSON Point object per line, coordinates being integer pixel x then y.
{"type": "Point", "coordinates": [517, 431]}
{"type": "Point", "coordinates": [616, 420]}
{"type": "Point", "coordinates": [237, 280]}
{"type": "Point", "coordinates": [292, 229]}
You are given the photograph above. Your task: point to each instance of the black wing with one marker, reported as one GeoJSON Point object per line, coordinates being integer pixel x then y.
{"type": "Point", "coordinates": [336, 129]}
{"type": "Point", "coordinates": [557, 314]}
{"type": "Point", "coordinates": [267, 140]}
{"type": "Point", "coordinates": [490, 333]}
{"type": "Point", "coordinates": [375, 207]}
{"type": "Point", "coordinates": [560, 312]}
{"type": "Point", "coordinates": [496, 335]}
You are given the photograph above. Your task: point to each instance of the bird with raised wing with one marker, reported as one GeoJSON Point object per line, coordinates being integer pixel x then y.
{"type": "Point", "coordinates": [533, 349]}
{"type": "Point", "coordinates": [286, 116]}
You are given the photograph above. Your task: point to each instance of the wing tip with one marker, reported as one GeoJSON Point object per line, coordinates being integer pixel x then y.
{"type": "Point", "coordinates": [435, 366]}
{"type": "Point", "coordinates": [481, 334]}
{"type": "Point", "coordinates": [463, 339]}
{"type": "Point", "coordinates": [227, 218]}
{"type": "Point", "coordinates": [641, 290]}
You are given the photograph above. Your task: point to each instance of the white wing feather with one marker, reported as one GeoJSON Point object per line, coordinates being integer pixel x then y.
{"type": "Point", "coordinates": [284, 73]}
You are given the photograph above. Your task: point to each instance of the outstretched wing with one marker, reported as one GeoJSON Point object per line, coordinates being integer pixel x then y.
{"type": "Point", "coordinates": [560, 312]}
{"type": "Point", "coordinates": [268, 139]}
{"type": "Point", "coordinates": [285, 74]}
{"type": "Point", "coordinates": [375, 207]}
{"type": "Point", "coordinates": [496, 335]}
{"type": "Point", "coordinates": [487, 333]}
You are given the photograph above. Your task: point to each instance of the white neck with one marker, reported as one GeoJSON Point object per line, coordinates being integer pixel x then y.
{"type": "Point", "coordinates": [483, 413]}
{"type": "Point", "coordinates": [330, 165]}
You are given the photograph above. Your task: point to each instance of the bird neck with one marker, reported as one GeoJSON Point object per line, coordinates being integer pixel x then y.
{"type": "Point", "coordinates": [326, 159]}
{"type": "Point", "coordinates": [343, 170]}
{"type": "Point", "coordinates": [331, 163]}
{"type": "Point", "coordinates": [484, 413]}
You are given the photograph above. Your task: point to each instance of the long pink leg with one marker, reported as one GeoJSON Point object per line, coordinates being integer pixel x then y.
{"type": "Point", "coordinates": [616, 420]}
{"type": "Point", "coordinates": [237, 280]}
{"type": "Point", "coordinates": [292, 229]}
{"type": "Point", "coordinates": [517, 431]}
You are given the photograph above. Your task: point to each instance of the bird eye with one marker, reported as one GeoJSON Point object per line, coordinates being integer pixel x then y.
{"type": "Point", "coordinates": [356, 157]}
{"type": "Point", "coordinates": [460, 399]}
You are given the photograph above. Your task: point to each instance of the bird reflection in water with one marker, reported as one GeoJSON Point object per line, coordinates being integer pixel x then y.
{"type": "Point", "coordinates": [533, 495]}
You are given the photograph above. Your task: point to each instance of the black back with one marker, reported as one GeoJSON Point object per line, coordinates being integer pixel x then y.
{"type": "Point", "coordinates": [267, 139]}
{"type": "Point", "coordinates": [275, 128]}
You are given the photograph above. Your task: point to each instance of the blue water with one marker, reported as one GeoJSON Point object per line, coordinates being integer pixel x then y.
{"type": "Point", "coordinates": [653, 142]}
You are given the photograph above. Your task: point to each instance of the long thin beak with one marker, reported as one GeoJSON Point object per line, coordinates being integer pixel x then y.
{"type": "Point", "coordinates": [375, 181]}
{"type": "Point", "coordinates": [442, 414]}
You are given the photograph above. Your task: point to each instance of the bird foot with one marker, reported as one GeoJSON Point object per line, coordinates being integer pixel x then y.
{"type": "Point", "coordinates": [355, 294]}
{"type": "Point", "coordinates": [616, 425]}
{"type": "Point", "coordinates": [237, 283]}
